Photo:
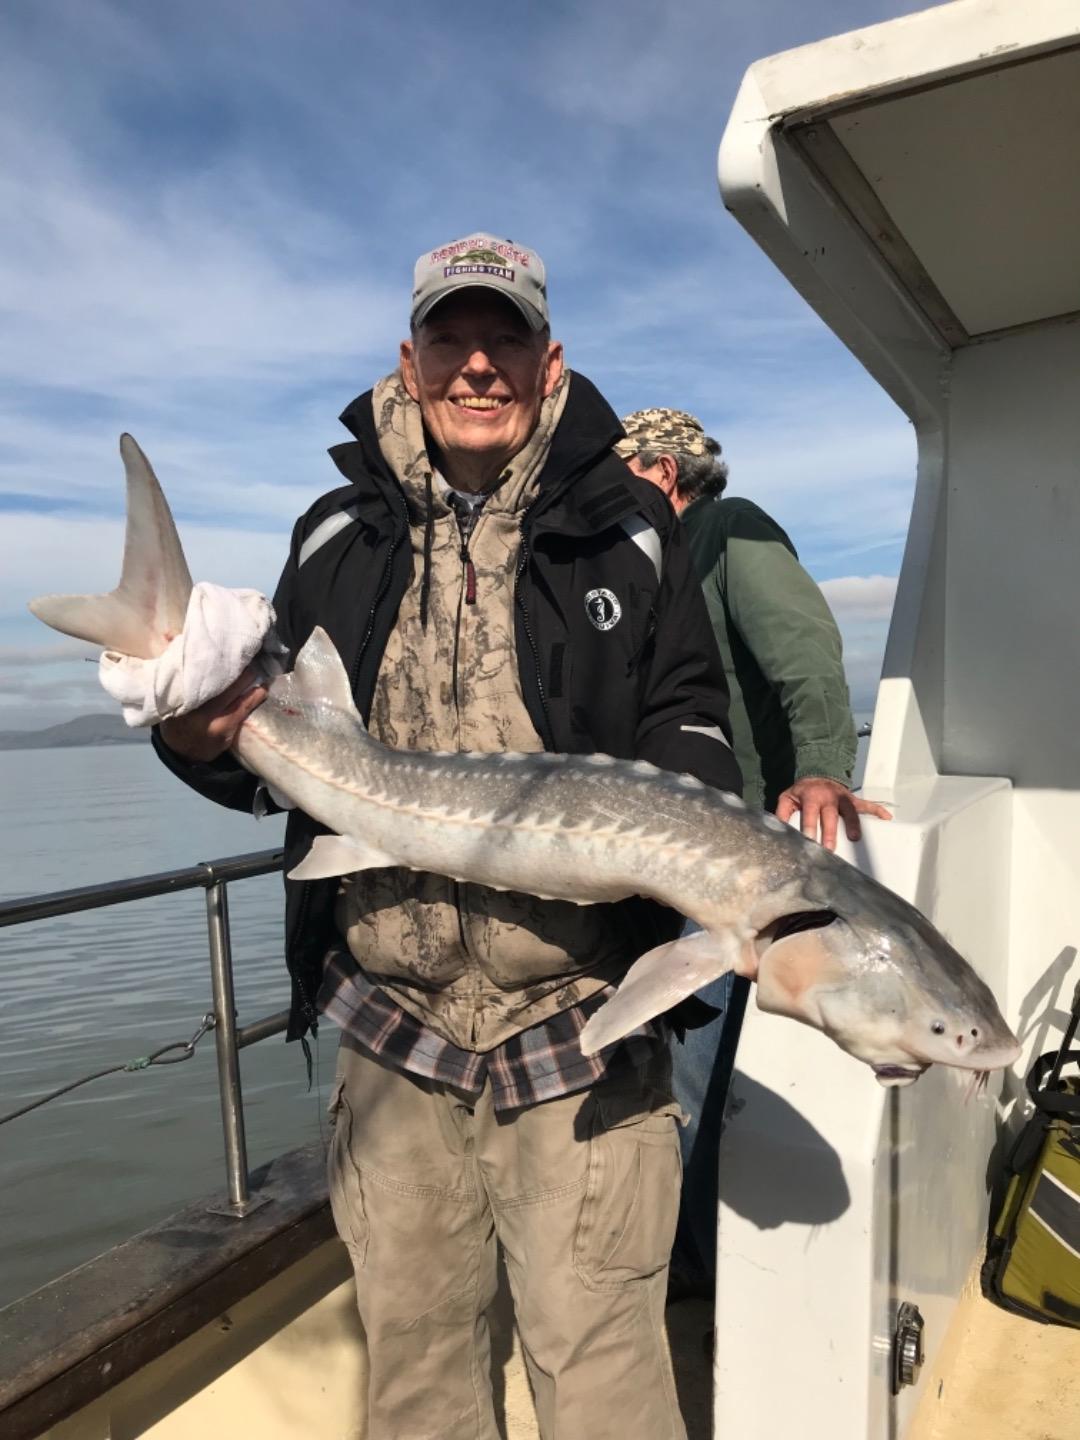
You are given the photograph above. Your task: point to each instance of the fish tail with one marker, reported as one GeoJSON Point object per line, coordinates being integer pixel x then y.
{"type": "Point", "coordinates": [147, 608]}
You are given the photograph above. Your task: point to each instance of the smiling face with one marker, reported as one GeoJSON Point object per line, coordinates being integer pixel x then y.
{"type": "Point", "coordinates": [479, 374]}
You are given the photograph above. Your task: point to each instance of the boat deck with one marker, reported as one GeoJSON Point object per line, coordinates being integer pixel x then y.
{"type": "Point", "coordinates": [1001, 1377]}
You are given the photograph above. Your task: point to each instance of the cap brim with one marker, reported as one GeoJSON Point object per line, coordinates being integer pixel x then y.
{"type": "Point", "coordinates": [532, 316]}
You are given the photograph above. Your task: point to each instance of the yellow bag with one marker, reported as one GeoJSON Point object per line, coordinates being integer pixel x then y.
{"type": "Point", "coordinates": [1033, 1254]}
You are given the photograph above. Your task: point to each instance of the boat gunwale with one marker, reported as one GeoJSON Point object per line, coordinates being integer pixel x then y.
{"type": "Point", "coordinates": [74, 1339]}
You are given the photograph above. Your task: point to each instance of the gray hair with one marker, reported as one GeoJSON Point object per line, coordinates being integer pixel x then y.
{"type": "Point", "coordinates": [696, 475]}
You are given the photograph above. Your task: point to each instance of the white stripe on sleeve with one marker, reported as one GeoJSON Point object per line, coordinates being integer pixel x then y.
{"type": "Point", "coordinates": [646, 539]}
{"type": "Point", "coordinates": [712, 731]}
{"type": "Point", "coordinates": [326, 531]}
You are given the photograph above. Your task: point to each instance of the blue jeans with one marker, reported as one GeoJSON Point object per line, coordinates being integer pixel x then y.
{"type": "Point", "coordinates": [701, 1073]}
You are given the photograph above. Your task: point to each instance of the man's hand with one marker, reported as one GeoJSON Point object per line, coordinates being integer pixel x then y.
{"type": "Point", "coordinates": [206, 733]}
{"type": "Point", "coordinates": [822, 802]}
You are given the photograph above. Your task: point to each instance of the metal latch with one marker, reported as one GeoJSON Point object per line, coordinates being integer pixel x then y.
{"type": "Point", "coordinates": [907, 1346]}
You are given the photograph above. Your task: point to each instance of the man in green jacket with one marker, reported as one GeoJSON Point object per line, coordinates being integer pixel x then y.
{"type": "Point", "coordinates": [793, 734]}
{"type": "Point", "coordinates": [790, 712]}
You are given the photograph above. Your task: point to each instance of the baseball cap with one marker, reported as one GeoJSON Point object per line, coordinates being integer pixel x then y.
{"type": "Point", "coordinates": [665, 431]}
{"type": "Point", "coordinates": [487, 261]}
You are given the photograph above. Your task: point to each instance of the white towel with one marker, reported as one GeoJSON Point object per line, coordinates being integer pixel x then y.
{"type": "Point", "coordinates": [224, 630]}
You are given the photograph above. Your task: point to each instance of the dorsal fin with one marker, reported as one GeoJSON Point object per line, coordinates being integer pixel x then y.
{"type": "Point", "coordinates": [147, 608]}
{"type": "Point", "coordinates": [317, 677]}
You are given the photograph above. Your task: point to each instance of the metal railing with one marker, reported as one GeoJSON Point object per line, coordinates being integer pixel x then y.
{"type": "Point", "coordinates": [214, 877]}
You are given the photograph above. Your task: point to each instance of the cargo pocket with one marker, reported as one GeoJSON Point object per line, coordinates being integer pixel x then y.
{"type": "Point", "coordinates": [627, 1223]}
{"type": "Point", "coordinates": [343, 1178]}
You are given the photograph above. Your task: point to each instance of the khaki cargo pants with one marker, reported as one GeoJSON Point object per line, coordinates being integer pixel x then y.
{"type": "Point", "coordinates": [582, 1193]}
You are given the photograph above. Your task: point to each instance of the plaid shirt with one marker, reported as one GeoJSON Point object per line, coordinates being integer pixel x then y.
{"type": "Point", "coordinates": [540, 1063]}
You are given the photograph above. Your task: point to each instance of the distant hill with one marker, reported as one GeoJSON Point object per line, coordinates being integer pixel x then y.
{"type": "Point", "coordinates": [85, 730]}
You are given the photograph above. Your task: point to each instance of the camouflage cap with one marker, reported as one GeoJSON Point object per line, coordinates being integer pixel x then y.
{"type": "Point", "coordinates": [666, 431]}
{"type": "Point", "coordinates": [486, 261]}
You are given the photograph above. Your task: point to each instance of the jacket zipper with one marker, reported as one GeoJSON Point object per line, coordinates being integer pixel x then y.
{"type": "Point", "coordinates": [470, 573]}
{"type": "Point", "coordinates": [466, 524]}
{"type": "Point", "coordinates": [523, 556]}
{"type": "Point", "coordinates": [462, 596]}
{"type": "Point", "coordinates": [467, 596]}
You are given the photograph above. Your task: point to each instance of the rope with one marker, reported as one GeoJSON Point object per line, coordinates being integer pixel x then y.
{"type": "Point", "coordinates": [164, 1056]}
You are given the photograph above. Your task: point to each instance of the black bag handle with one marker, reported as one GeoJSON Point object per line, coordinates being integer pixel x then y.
{"type": "Point", "coordinates": [1070, 1032]}
{"type": "Point", "coordinates": [1043, 1079]}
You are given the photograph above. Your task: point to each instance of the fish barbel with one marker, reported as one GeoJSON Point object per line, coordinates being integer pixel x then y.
{"type": "Point", "coordinates": [826, 944]}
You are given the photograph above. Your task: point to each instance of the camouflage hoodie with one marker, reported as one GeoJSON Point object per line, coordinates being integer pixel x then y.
{"type": "Point", "coordinates": [476, 965]}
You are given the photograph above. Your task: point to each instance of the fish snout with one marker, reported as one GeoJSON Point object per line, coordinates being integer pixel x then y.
{"type": "Point", "coordinates": [969, 1044]}
{"type": "Point", "coordinates": [998, 1053]}
{"type": "Point", "coordinates": [960, 1041]}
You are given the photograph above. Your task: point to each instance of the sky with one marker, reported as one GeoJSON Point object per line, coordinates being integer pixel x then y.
{"type": "Point", "coordinates": [211, 215]}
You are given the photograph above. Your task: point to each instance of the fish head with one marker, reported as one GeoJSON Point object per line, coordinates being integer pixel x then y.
{"type": "Point", "coordinates": [887, 988]}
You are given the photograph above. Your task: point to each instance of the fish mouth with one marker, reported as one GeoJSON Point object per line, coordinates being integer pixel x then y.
{"type": "Point", "coordinates": [893, 1075]}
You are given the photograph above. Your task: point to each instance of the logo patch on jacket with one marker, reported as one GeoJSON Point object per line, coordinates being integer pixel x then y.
{"type": "Point", "coordinates": [603, 608]}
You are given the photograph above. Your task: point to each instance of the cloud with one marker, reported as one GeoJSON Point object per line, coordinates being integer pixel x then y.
{"type": "Point", "coordinates": [862, 665]}
{"type": "Point", "coordinates": [854, 598]}
{"type": "Point", "coordinates": [134, 292]}
{"type": "Point", "coordinates": [48, 681]}
{"type": "Point", "coordinates": [218, 211]}
{"type": "Point", "coordinates": [862, 605]}
{"type": "Point", "coordinates": [82, 556]}
{"type": "Point", "coordinates": [32, 703]}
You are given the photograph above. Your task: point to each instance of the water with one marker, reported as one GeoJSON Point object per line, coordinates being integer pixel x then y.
{"type": "Point", "coordinates": [86, 991]}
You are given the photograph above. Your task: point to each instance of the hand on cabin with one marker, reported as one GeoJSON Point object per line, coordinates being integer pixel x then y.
{"type": "Point", "coordinates": [207, 732]}
{"type": "Point", "coordinates": [821, 803]}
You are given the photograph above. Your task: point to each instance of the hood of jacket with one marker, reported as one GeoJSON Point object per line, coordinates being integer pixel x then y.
{"type": "Point", "coordinates": [585, 431]}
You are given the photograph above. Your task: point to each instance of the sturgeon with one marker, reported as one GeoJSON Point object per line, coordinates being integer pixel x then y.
{"type": "Point", "coordinates": [826, 944]}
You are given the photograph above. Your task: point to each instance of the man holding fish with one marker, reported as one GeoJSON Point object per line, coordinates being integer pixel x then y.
{"type": "Point", "coordinates": [494, 580]}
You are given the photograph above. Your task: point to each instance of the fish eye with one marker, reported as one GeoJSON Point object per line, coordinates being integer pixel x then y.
{"type": "Point", "coordinates": [938, 1027]}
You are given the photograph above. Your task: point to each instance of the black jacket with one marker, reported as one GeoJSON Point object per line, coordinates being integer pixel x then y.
{"type": "Point", "coordinates": [629, 689]}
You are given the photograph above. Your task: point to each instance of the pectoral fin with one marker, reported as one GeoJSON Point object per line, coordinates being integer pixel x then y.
{"type": "Point", "coordinates": [338, 855]}
{"type": "Point", "coordinates": [659, 980]}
